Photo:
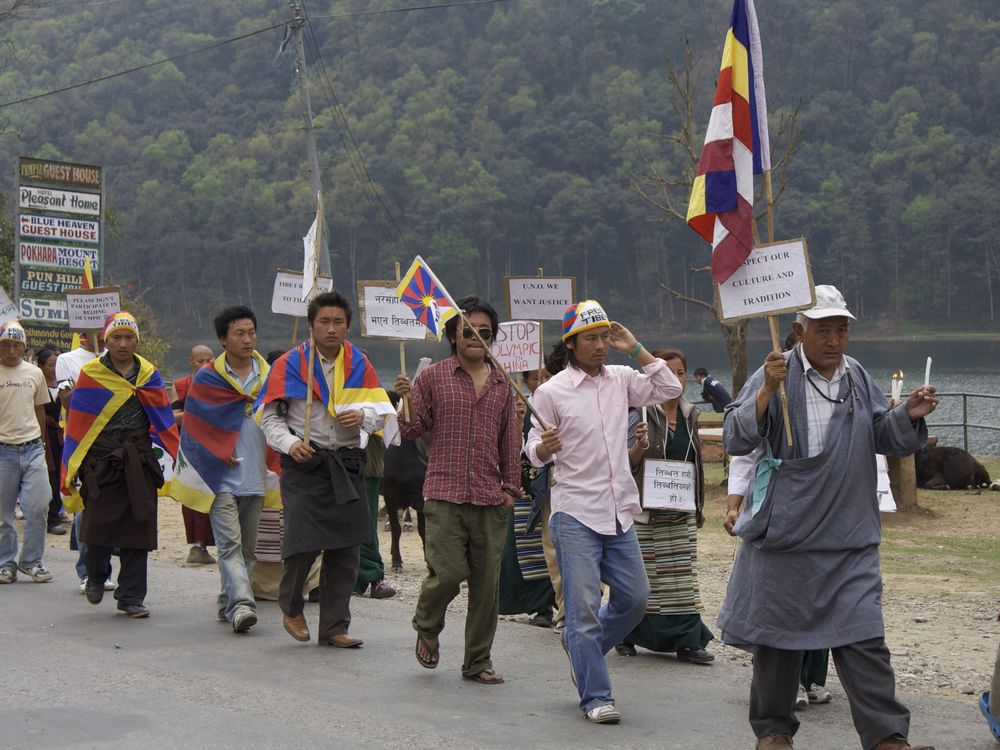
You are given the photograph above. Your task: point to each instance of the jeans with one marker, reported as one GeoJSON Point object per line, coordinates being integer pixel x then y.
{"type": "Point", "coordinates": [587, 558]}
{"type": "Point", "coordinates": [234, 525]}
{"type": "Point", "coordinates": [23, 474]}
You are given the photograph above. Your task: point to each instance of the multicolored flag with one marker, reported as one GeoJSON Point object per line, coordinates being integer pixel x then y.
{"type": "Point", "coordinates": [736, 148]}
{"type": "Point", "coordinates": [422, 292]}
{"type": "Point", "coordinates": [88, 275]}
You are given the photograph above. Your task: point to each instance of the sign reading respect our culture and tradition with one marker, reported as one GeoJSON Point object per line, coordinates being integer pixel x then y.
{"type": "Point", "coordinates": [88, 308]}
{"type": "Point", "coordinates": [668, 484]}
{"type": "Point", "coordinates": [383, 314]}
{"type": "Point", "coordinates": [539, 297]}
{"type": "Point", "coordinates": [518, 346]}
{"type": "Point", "coordinates": [774, 279]}
{"type": "Point", "coordinates": [286, 299]}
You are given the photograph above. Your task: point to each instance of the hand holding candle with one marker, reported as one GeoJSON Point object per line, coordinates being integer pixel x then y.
{"type": "Point", "coordinates": [927, 373]}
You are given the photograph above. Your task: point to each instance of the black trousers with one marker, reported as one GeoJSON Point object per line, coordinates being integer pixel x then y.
{"type": "Point", "coordinates": [55, 504]}
{"type": "Point", "coordinates": [865, 673]}
{"type": "Point", "coordinates": [131, 574]}
{"type": "Point", "coordinates": [338, 572]}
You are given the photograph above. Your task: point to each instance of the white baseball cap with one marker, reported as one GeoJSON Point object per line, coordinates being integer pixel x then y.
{"type": "Point", "coordinates": [829, 304]}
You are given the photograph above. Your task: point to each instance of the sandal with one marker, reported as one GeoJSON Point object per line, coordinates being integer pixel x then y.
{"type": "Point", "coordinates": [483, 678]}
{"type": "Point", "coordinates": [432, 651]}
{"type": "Point", "coordinates": [984, 706]}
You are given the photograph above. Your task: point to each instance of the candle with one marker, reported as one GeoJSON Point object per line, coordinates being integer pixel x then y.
{"type": "Point", "coordinates": [644, 414]}
{"type": "Point", "coordinates": [899, 387]}
{"type": "Point", "coordinates": [892, 386]}
{"type": "Point", "coordinates": [927, 373]}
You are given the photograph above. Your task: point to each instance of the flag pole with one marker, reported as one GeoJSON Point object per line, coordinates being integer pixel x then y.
{"type": "Point", "coordinates": [402, 359]}
{"type": "Point", "coordinates": [541, 339]}
{"type": "Point", "coordinates": [313, 274]}
{"type": "Point", "coordinates": [295, 331]}
{"type": "Point", "coordinates": [772, 320]}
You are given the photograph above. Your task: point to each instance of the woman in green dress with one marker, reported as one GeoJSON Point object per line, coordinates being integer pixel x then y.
{"type": "Point", "coordinates": [669, 538]}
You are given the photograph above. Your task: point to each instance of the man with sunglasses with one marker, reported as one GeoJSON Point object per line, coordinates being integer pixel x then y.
{"type": "Point", "coordinates": [473, 475]}
{"type": "Point", "coordinates": [808, 577]}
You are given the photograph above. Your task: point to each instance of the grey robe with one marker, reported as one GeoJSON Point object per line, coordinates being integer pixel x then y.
{"type": "Point", "coordinates": [807, 575]}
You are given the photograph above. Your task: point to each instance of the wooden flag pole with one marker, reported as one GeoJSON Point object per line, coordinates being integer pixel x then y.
{"type": "Point", "coordinates": [295, 332]}
{"type": "Point", "coordinates": [402, 359]}
{"type": "Point", "coordinates": [313, 274]}
{"type": "Point", "coordinates": [772, 320]}
{"type": "Point", "coordinates": [309, 389]}
{"type": "Point", "coordinates": [541, 338]}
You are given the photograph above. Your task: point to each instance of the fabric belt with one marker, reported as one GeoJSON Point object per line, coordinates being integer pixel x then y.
{"type": "Point", "coordinates": [20, 445]}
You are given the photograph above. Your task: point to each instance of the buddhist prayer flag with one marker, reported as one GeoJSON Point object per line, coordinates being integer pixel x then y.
{"type": "Point", "coordinates": [736, 148]}
{"type": "Point", "coordinates": [422, 292]}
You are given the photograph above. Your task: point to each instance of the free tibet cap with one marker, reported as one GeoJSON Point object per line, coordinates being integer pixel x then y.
{"type": "Point", "coordinates": [583, 316]}
{"type": "Point", "coordinates": [829, 304]}
{"type": "Point", "coordinates": [13, 331]}
{"type": "Point", "coordinates": [120, 321]}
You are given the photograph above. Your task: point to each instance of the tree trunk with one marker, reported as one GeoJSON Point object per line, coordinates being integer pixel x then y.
{"type": "Point", "coordinates": [735, 336]}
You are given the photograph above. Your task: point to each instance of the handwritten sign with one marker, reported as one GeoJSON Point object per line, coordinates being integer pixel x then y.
{"type": "Point", "coordinates": [775, 278]}
{"type": "Point", "coordinates": [539, 297]}
{"type": "Point", "coordinates": [7, 310]}
{"type": "Point", "coordinates": [286, 299]}
{"type": "Point", "coordinates": [518, 347]}
{"type": "Point", "coordinates": [383, 315]}
{"type": "Point", "coordinates": [668, 484]}
{"type": "Point", "coordinates": [88, 308]}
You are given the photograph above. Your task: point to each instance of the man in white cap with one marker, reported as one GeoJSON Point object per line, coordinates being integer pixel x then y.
{"type": "Point", "coordinates": [23, 472]}
{"type": "Point", "coordinates": [808, 574]}
{"type": "Point", "coordinates": [583, 429]}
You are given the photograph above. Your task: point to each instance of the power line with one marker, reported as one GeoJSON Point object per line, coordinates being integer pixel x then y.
{"type": "Point", "coordinates": [387, 11]}
{"type": "Point", "coordinates": [145, 66]}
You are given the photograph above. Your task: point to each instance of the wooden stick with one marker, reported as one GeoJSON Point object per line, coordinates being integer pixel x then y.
{"type": "Point", "coordinates": [314, 274]}
{"type": "Point", "coordinates": [541, 338]}
{"type": "Point", "coordinates": [770, 206]}
{"type": "Point", "coordinates": [309, 388]}
{"type": "Point", "coordinates": [92, 336]}
{"type": "Point", "coordinates": [772, 320]}
{"type": "Point", "coordinates": [402, 360]}
{"type": "Point", "coordinates": [295, 332]}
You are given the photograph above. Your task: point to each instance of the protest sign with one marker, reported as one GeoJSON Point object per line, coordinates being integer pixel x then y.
{"type": "Point", "coordinates": [518, 346]}
{"type": "Point", "coordinates": [539, 297]}
{"type": "Point", "coordinates": [775, 278]}
{"type": "Point", "coordinates": [668, 484]}
{"type": "Point", "coordinates": [383, 314]}
{"type": "Point", "coordinates": [286, 299]}
{"type": "Point", "coordinates": [88, 308]}
{"type": "Point", "coordinates": [8, 311]}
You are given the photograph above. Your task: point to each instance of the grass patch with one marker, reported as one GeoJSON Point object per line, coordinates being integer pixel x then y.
{"type": "Point", "coordinates": [914, 553]}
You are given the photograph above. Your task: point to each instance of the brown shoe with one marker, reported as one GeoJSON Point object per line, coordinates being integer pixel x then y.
{"type": "Point", "coordinates": [199, 556]}
{"type": "Point", "coordinates": [296, 627]}
{"type": "Point", "coordinates": [382, 590]}
{"type": "Point", "coordinates": [774, 742]}
{"type": "Point", "coordinates": [343, 640]}
{"type": "Point", "coordinates": [900, 743]}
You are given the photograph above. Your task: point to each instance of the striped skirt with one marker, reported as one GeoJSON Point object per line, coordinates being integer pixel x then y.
{"type": "Point", "coordinates": [669, 546]}
{"type": "Point", "coordinates": [269, 534]}
{"type": "Point", "coordinates": [530, 556]}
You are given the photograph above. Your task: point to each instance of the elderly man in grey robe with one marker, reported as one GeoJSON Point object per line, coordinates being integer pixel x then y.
{"type": "Point", "coordinates": [807, 575]}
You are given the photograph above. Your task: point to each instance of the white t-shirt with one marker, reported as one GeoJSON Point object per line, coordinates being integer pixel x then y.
{"type": "Point", "coordinates": [22, 388]}
{"type": "Point", "coordinates": [68, 366]}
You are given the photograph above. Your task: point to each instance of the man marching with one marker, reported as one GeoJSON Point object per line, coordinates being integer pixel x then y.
{"type": "Point", "coordinates": [118, 409]}
{"type": "Point", "coordinates": [808, 574]}
{"type": "Point", "coordinates": [322, 479]}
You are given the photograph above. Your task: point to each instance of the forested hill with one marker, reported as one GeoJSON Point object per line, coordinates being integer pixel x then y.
{"type": "Point", "coordinates": [508, 136]}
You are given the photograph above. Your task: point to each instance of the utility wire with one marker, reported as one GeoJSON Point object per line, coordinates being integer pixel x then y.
{"type": "Point", "coordinates": [387, 11]}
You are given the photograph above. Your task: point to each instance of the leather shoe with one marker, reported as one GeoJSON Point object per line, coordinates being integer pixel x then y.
{"type": "Point", "coordinates": [135, 611]}
{"type": "Point", "coordinates": [94, 591]}
{"type": "Point", "coordinates": [382, 590]}
{"type": "Point", "coordinates": [900, 743]}
{"type": "Point", "coordinates": [296, 627]}
{"type": "Point", "coordinates": [775, 742]}
{"type": "Point", "coordinates": [343, 640]}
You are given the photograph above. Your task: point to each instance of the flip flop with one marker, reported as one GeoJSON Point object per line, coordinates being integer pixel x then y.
{"type": "Point", "coordinates": [478, 677]}
{"type": "Point", "coordinates": [432, 650]}
{"type": "Point", "coordinates": [984, 706]}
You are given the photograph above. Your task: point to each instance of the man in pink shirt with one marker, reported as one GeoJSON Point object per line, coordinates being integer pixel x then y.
{"type": "Point", "coordinates": [584, 420]}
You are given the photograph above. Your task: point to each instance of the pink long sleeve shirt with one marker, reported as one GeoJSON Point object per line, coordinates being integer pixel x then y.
{"type": "Point", "coordinates": [593, 481]}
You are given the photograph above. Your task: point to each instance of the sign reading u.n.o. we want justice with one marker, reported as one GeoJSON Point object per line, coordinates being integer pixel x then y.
{"type": "Point", "coordinates": [56, 256]}
{"type": "Point", "coordinates": [65, 201]}
{"type": "Point", "coordinates": [58, 228]}
{"type": "Point", "coordinates": [539, 297]}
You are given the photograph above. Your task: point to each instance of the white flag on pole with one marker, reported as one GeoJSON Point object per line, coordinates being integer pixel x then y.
{"type": "Point", "coordinates": [310, 265]}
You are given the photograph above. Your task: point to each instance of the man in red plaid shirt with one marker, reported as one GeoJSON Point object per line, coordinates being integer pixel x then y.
{"type": "Point", "coordinates": [473, 475]}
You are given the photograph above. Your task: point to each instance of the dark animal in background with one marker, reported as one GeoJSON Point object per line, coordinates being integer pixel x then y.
{"type": "Point", "coordinates": [948, 468]}
{"type": "Point", "coordinates": [403, 485]}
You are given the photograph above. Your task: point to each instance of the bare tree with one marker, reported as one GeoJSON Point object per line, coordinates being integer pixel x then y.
{"type": "Point", "coordinates": [669, 193]}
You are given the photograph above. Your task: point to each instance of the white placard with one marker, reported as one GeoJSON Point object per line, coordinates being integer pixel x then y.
{"type": "Point", "coordinates": [774, 279]}
{"type": "Point", "coordinates": [88, 308]}
{"type": "Point", "coordinates": [56, 256]}
{"type": "Point", "coordinates": [43, 310]}
{"type": "Point", "coordinates": [518, 347]}
{"type": "Point", "coordinates": [286, 299]}
{"type": "Point", "coordinates": [539, 297]}
{"type": "Point", "coordinates": [65, 201]}
{"type": "Point", "coordinates": [383, 315]}
{"type": "Point", "coordinates": [57, 228]}
{"type": "Point", "coordinates": [668, 485]}
{"type": "Point", "coordinates": [7, 310]}
{"type": "Point", "coordinates": [886, 502]}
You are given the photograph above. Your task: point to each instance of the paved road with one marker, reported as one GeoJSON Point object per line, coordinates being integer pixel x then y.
{"type": "Point", "coordinates": [78, 676]}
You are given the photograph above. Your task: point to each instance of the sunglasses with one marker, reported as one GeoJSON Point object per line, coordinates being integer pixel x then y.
{"type": "Point", "coordinates": [484, 333]}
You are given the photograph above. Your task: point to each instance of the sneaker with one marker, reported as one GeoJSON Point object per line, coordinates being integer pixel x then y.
{"type": "Point", "coordinates": [694, 655]}
{"type": "Point", "coordinates": [18, 513]}
{"type": "Point", "coordinates": [58, 529]}
{"type": "Point", "coordinates": [559, 627]}
{"type": "Point", "coordinates": [37, 573]}
{"type": "Point", "coordinates": [625, 649]}
{"type": "Point", "coordinates": [802, 701]}
{"type": "Point", "coordinates": [135, 611]}
{"type": "Point", "coordinates": [244, 619]}
{"type": "Point", "coordinates": [818, 694]}
{"type": "Point", "coordinates": [83, 585]}
{"type": "Point", "coordinates": [110, 585]}
{"type": "Point", "coordinates": [541, 620]}
{"type": "Point", "coordinates": [606, 714]}
{"type": "Point", "coordinates": [199, 556]}
{"type": "Point", "coordinates": [572, 673]}
{"type": "Point", "coordinates": [382, 590]}
{"type": "Point", "coordinates": [8, 575]}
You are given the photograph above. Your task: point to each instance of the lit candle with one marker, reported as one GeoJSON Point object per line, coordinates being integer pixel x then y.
{"type": "Point", "coordinates": [927, 373]}
{"type": "Point", "coordinates": [899, 388]}
{"type": "Point", "coordinates": [892, 386]}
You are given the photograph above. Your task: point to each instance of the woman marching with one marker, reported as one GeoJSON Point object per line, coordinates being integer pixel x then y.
{"type": "Point", "coordinates": [669, 538]}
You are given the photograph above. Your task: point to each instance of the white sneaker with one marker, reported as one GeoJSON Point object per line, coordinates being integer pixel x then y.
{"type": "Point", "coordinates": [110, 585]}
{"type": "Point", "coordinates": [802, 701]}
{"type": "Point", "coordinates": [8, 575]}
{"type": "Point", "coordinates": [37, 573]}
{"type": "Point", "coordinates": [606, 714]}
{"type": "Point", "coordinates": [818, 694]}
{"type": "Point", "coordinates": [83, 585]}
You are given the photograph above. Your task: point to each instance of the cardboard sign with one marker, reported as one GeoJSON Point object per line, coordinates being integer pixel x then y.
{"type": "Point", "coordinates": [539, 297]}
{"type": "Point", "coordinates": [668, 484]}
{"type": "Point", "coordinates": [774, 279]}
{"type": "Point", "coordinates": [383, 315]}
{"type": "Point", "coordinates": [88, 308]}
{"type": "Point", "coordinates": [886, 502]}
{"type": "Point", "coordinates": [286, 299]}
{"type": "Point", "coordinates": [518, 347]}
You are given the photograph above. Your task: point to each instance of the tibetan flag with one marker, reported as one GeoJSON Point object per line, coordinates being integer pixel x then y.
{"type": "Point", "coordinates": [355, 384]}
{"type": "Point", "coordinates": [736, 148]}
{"type": "Point", "coordinates": [422, 292]}
{"type": "Point", "coordinates": [97, 397]}
{"type": "Point", "coordinates": [88, 275]}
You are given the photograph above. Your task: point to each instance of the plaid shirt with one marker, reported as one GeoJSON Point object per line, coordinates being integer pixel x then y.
{"type": "Point", "coordinates": [475, 447]}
